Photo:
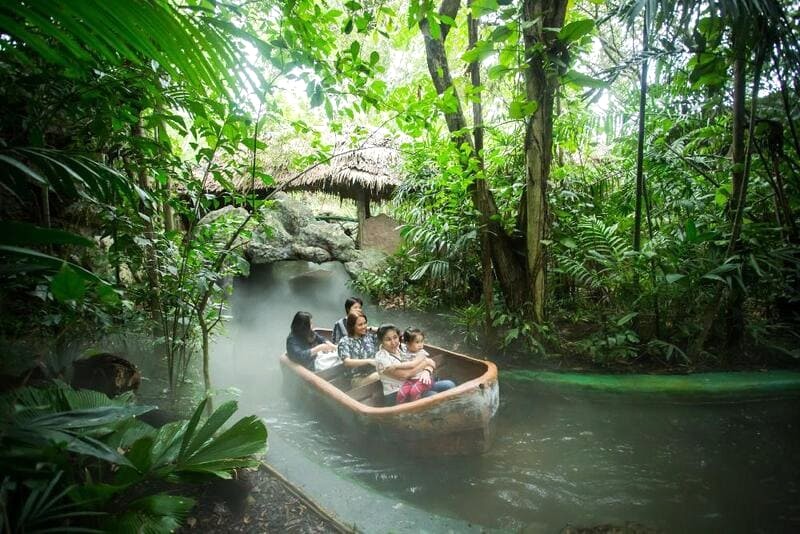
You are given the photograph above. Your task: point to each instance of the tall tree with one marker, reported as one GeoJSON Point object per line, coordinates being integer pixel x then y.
{"type": "Point", "coordinates": [520, 269]}
{"type": "Point", "coordinates": [510, 272]}
{"type": "Point", "coordinates": [754, 28]}
{"type": "Point", "coordinates": [542, 20]}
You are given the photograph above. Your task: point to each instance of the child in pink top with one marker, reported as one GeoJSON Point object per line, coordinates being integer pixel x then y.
{"type": "Point", "coordinates": [413, 388]}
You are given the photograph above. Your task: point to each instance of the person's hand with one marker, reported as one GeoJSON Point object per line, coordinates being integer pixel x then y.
{"type": "Point", "coordinates": [330, 346]}
{"type": "Point", "coordinates": [426, 377]}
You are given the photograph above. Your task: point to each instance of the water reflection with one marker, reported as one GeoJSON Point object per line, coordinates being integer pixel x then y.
{"type": "Point", "coordinates": [586, 460]}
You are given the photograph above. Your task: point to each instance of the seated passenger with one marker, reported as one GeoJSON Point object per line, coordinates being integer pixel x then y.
{"type": "Point", "coordinates": [357, 348]}
{"type": "Point", "coordinates": [303, 344]}
{"type": "Point", "coordinates": [415, 387]}
{"type": "Point", "coordinates": [395, 367]}
{"type": "Point", "coordinates": [352, 304]}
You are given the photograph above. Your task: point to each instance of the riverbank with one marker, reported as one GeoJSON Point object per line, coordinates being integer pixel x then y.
{"type": "Point", "coordinates": [744, 385]}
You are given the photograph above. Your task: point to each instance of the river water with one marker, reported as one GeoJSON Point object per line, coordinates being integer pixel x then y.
{"type": "Point", "coordinates": [577, 459]}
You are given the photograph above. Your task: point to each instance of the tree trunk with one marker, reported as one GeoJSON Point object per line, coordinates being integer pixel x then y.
{"type": "Point", "coordinates": [637, 218]}
{"type": "Point", "coordinates": [205, 332]}
{"type": "Point", "coordinates": [151, 262]}
{"type": "Point", "coordinates": [740, 175]}
{"type": "Point", "coordinates": [477, 132]}
{"type": "Point", "coordinates": [545, 17]}
{"type": "Point", "coordinates": [45, 206]}
{"type": "Point", "coordinates": [637, 215]}
{"type": "Point", "coordinates": [738, 117]}
{"type": "Point", "coordinates": [510, 272]}
{"type": "Point", "coordinates": [787, 109]}
{"type": "Point", "coordinates": [736, 319]}
{"type": "Point", "coordinates": [361, 208]}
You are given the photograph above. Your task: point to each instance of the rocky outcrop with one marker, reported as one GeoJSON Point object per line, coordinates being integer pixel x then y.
{"type": "Point", "coordinates": [366, 260]}
{"type": "Point", "coordinates": [289, 232]}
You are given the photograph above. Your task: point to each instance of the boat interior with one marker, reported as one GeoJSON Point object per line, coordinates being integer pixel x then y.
{"type": "Point", "coordinates": [370, 391]}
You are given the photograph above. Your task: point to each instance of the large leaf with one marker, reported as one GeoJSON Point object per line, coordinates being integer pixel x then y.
{"type": "Point", "coordinates": [154, 513]}
{"type": "Point", "coordinates": [67, 285]}
{"type": "Point", "coordinates": [46, 508]}
{"type": "Point", "coordinates": [60, 397]}
{"type": "Point", "coordinates": [217, 419]}
{"type": "Point", "coordinates": [59, 416]}
{"type": "Point", "coordinates": [247, 437]}
{"type": "Point", "coordinates": [66, 174]}
{"type": "Point", "coordinates": [583, 80]}
{"type": "Point", "coordinates": [186, 43]}
{"type": "Point", "coordinates": [19, 233]}
{"type": "Point", "coordinates": [188, 447]}
{"type": "Point", "coordinates": [575, 30]}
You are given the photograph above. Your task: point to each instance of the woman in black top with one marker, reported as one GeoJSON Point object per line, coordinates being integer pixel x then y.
{"type": "Point", "coordinates": [303, 344]}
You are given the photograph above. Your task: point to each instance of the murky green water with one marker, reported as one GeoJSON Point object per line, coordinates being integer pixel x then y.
{"type": "Point", "coordinates": [581, 460]}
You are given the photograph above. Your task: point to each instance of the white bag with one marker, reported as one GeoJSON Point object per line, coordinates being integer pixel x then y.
{"type": "Point", "coordinates": [326, 360]}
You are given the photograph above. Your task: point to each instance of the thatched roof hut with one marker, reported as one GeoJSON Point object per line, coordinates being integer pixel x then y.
{"type": "Point", "coordinates": [369, 173]}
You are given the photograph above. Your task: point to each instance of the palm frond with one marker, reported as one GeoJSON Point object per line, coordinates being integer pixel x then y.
{"type": "Point", "coordinates": [66, 174]}
{"type": "Point", "coordinates": [152, 514]}
{"type": "Point", "coordinates": [152, 34]}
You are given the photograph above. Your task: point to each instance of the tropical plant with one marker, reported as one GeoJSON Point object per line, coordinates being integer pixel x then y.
{"type": "Point", "coordinates": [69, 455]}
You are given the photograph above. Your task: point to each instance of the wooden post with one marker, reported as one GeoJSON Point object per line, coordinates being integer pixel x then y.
{"type": "Point", "coordinates": [363, 206]}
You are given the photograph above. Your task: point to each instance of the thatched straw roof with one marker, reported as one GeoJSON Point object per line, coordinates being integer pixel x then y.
{"type": "Point", "coordinates": [373, 169]}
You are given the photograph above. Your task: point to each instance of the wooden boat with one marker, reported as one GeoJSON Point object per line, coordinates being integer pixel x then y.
{"type": "Point", "coordinates": [457, 421]}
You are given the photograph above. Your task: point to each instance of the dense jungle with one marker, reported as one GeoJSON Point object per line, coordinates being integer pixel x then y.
{"type": "Point", "coordinates": [581, 184]}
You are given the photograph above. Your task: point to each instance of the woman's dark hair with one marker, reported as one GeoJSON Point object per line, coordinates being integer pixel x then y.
{"type": "Point", "coordinates": [385, 328]}
{"type": "Point", "coordinates": [413, 334]}
{"type": "Point", "coordinates": [349, 303]}
{"type": "Point", "coordinates": [350, 323]}
{"type": "Point", "coordinates": [301, 326]}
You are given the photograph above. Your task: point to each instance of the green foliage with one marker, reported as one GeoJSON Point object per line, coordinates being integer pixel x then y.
{"type": "Point", "coordinates": [67, 455]}
{"type": "Point", "coordinates": [44, 509]}
{"type": "Point", "coordinates": [512, 330]}
{"type": "Point", "coordinates": [154, 34]}
{"type": "Point", "coordinates": [594, 256]}
{"type": "Point", "coordinates": [154, 513]}
{"type": "Point", "coordinates": [119, 132]}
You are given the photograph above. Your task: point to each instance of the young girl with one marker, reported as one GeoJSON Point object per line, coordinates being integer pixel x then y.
{"type": "Point", "coordinates": [414, 388]}
{"type": "Point", "coordinates": [396, 368]}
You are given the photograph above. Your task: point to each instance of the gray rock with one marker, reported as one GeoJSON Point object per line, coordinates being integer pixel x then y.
{"type": "Point", "coordinates": [288, 232]}
{"type": "Point", "coordinates": [232, 212]}
{"type": "Point", "coordinates": [229, 219]}
{"type": "Point", "coordinates": [366, 260]}
{"type": "Point", "coordinates": [310, 253]}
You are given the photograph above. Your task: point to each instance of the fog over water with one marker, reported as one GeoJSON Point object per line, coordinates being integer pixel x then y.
{"type": "Point", "coordinates": [581, 460]}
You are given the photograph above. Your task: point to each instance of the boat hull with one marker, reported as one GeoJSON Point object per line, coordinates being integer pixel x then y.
{"type": "Point", "coordinates": [454, 422]}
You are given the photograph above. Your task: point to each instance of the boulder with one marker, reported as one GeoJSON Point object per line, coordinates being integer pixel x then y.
{"type": "Point", "coordinates": [310, 253]}
{"type": "Point", "coordinates": [366, 260]}
{"type": "Point", "coordinates": [232, 212]}
{"type": "Point", "coordinates": [289, 232]}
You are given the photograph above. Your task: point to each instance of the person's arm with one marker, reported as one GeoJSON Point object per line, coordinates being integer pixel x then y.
{"type": "Point", "coordinates": [410, 364]}
{"type": "Point", "coordinates": [346, 356]}
{"type": "Point", "coordinates": [297, 352]}
{"type": "Point", "coordinates": [405, 374]}
{"type": "Point", "coordinates": [352, 362]}
{"type": "Point", "coordinates": [321, 344]}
